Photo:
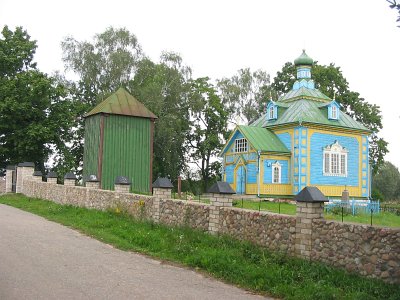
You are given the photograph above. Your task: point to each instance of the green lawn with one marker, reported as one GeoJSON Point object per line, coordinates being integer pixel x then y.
{"type": "Point", "coordinates": [381, 219]}
{"type": "Point", "coordinates": [275, 207]}
{"type": "Point", "coordinates": [241, 263]}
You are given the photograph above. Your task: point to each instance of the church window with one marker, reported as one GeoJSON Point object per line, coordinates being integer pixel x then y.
{"type": "Point", "coordinates": [335, 160]}
{"type": "Point", "coordinates": [334, 112]}
{"type": "Point", "coordinates": [241, 145]}
{"type": "Point", "coordinates": [276, 172]}
{"type": "Point", "coordinates": [271, 112]}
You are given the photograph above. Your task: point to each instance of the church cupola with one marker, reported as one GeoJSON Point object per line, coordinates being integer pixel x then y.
{"type": "Point", "coordinates": [303, 65]}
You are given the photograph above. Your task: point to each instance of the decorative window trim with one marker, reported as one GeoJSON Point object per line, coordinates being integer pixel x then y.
{"type": "Point", "coordinates": [241, 145]}
{"type": "Point", "coordinates": [272, 111]}
{"type": "Point", "coordinates": [334, 160]}
{"type": "Point", "coordinates": [333, 111]}
{"type": "Point", "coordinates": [276, 176]}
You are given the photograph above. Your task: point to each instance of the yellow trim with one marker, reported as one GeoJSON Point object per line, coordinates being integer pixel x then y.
{"type": "Point", "coordinates": [337, 190]}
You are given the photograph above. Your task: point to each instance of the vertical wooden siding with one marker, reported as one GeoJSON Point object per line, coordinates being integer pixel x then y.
{"type": "Point", "coordinates": [126, 151]}
{"type": "Point", "coordinates": [92, 143]}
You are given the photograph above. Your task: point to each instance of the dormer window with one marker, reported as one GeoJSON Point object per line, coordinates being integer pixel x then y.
{"type": "Point", "coordinates": [333, 111]}
{"type": "Point", "coordinates": [272, 111]}
{"type": "Point", "coordinates": [241, 145]}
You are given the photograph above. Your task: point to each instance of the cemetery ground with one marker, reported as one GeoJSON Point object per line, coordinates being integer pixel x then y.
{"type": "Point", "coordinates": [240, 263]}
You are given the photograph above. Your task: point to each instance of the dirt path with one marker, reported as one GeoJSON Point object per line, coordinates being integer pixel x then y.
{"type": "Point", "coordinates": [44, 260]}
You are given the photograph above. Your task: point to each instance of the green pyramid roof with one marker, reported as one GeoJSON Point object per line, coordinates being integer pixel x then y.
{"type": "Point", "coordinates": [309, 111]}
{"type": "Point", "coordinates": [122, 103]}
{"type": "Point", "coordinates": [304, 93]}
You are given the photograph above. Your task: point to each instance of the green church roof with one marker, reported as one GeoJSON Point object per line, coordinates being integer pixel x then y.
{"type": "Point", "coordinates": [309, 111]}
{"type": "Point", "coordinates": [122, 103]}
{"type": "Point", "coordinates": [305, 93]}
{"type": "Point", "coordinates": [261, 139]}
{"type": "Point", "coordinates": [303, 60]}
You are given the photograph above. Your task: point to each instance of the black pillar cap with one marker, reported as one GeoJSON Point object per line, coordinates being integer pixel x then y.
{"type": "Point", "coordinates": [10, 167]}
{"type": "Point", "coordinates": [70, 175]}
{"type": "Point", "coordinates": [310, 194]}
{"type": "Point", "coordinates": [38, 173]}
{"type": "Point", "coordinates": [122, 180]}
{"type": "Point", "coordinates": [92, 178]}
{"type": "Point", "coordinates": [27, 164]}
{"type": "Point", "coordinates": [221, 187]}
{"type": "Point", "coordinates": [52, 175]}
{"type": "Point", "coordinates": [162, 182]}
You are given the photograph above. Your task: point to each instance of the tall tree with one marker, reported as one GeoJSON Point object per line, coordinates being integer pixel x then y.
{"type": "Point", "coordinates": [387, 181]}
{"type": "Point", "coordinates": [330, 80]}
{"type": "Point", "coordinates": [244, 94]}
{"type": "Point", "coordinates": [208, 126]}
{"type": "Point", "coordinates": [163, 87]}
{"type": "Point", "coordinates": [35, 115]}
{"type": "Point", "coordinates": [104, 64]}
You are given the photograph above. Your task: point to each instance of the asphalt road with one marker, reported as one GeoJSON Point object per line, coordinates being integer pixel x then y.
{"type": "Point", "coordinates": [40, 259]}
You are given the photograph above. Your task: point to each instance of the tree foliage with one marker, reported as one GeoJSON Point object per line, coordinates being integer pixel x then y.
{"type": "Point", "coordinates": [208, 127]}
{"type": "Point", "coordinates": [387, 181]}
{"type": "Point", "coordinates": [244, 94]}
{"type": "Point", "coordinates": [163, 87]}
{"type": "Point", "coordinates": [330, 81]}
{"type": "Point", "coordinates": [394, 5]}
{"type": "Point", "coordinates": [35, 116]}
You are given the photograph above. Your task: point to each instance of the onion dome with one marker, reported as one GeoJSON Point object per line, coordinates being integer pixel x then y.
{"type": "Point", "coordinates": [303, 60]}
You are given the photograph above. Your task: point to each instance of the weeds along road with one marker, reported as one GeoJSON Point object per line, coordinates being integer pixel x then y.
{"type": "Point", "coordinates": [40, 259]}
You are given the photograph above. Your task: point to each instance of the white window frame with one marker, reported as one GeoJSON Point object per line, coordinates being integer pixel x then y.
{"type": "Point", "coordinates": [277, 166]}
{"type": "Point", "coordinates": [334, 160]}
{"type": "Point", "coordinates": [271, 112]}
{"type": "Point", "coordinates": [334, 112]}
{"type": "Point", "coordinates": [241, 145]}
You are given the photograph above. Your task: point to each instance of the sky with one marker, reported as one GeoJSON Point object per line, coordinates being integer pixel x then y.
{"type": "Point", "coordinates": [217, 38]}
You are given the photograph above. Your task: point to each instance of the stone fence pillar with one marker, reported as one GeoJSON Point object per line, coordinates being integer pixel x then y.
{"type": "Point", "coordinates": [37, 176]}
{"type": "Point", "coordinates": [52, 177]}
{"type": "Point", "coordinates": [221, 196]}
{"type": "Point", "coordinates": [122, 184]}
{"type": "Point", "coordinates": [92, 182]}
{"type": "Point", "coordinates": [10, 171]}
{"type": "Point", "coordinates": [24, 172]}
{"type": "Point", "coordinates": [309, 206]}
{"type": "Point", "coordinates": [162, 189]}
{"type": "Point", "coordinates": [69, 179]}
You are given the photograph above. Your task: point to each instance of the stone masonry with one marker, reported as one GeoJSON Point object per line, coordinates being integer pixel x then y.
{"type": "Point", "coordinates": [217, 201]}
{"type": "Point", "coordinates": [367, 250]}
{"type": "Point", "coordinates": [306, 213]}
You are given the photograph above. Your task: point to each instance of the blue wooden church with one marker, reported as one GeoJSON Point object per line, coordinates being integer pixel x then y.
{"type": "Point", "coordinates": [303, 139]}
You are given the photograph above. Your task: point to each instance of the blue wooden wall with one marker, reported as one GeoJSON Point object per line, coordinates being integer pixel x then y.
{"type": "Point", "coordinates": [321, 140]}
{"type": "Point", "coordinates": [268, 170]}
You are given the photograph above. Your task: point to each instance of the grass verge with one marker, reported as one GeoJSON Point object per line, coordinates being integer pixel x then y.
{"type": "Point", "coordinates": [388, 219]}
{"type": "Point", "coordinates": [241, 263]}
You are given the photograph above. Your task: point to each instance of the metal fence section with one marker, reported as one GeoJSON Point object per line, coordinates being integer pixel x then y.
{"type": "Point", "coordinates": [354, 206]}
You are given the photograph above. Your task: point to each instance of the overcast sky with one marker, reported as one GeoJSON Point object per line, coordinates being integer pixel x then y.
{"type": "Point", "coordinates": [216, 38]}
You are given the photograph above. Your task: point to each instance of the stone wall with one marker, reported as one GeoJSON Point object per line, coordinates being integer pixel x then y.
{"type": "Point", "coordinates": [184, 213]}
{"type": "Point", "coordinates": [2, 185]}
{"type": "Point", "coordinates": [274, 231]}
{"type": "Point", "coordinates": [367, 250]}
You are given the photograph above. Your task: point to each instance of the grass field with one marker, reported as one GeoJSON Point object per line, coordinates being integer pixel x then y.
{"type": "Point", "coordinates": [241, 263]}
{"type": "Point", "coordinates": [382, 219]}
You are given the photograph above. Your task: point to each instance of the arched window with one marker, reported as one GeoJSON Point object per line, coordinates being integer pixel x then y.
{"type": "Point", "coordinates": [276, 172]}
{"type": "Point", "coordinates": [335, 160]}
